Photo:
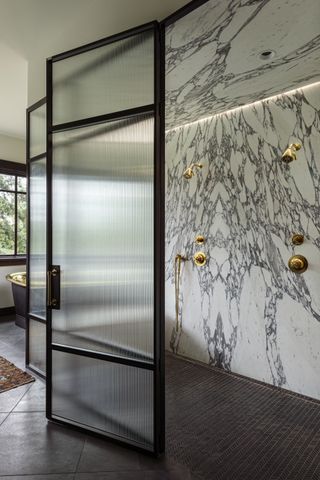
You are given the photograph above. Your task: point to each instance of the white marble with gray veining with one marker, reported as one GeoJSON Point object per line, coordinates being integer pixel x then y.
{"type": "Point", "coordinates": [245, 311]}
{"type": "Point", "coordinates": [212, 55]}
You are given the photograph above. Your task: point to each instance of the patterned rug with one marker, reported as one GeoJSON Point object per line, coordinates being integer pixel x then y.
{"type": "Point", "coordinates": [11, 376]}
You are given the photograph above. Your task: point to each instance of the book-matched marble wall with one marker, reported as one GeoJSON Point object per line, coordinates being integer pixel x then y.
{"type": "Point", "coordinates": [244, 311]}
{"type": "Point", "coordinates": [213, 55]}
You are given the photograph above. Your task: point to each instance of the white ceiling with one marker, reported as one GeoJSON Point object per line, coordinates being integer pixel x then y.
{"type": "Point", "coordinates": [32, 30]}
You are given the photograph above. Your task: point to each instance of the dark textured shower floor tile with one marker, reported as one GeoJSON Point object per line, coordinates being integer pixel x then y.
{"type": "Point", "coordinates": [233, 428]}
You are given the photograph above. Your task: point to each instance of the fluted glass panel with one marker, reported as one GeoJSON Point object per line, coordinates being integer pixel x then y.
{"type": "Point", "coordinates": [37, 345]}
{"type": "Point", "coordinates": [107, 79]}
{"type": "Point", "coordinates": [37, 259]}
{"type": "Point", "coordinates": [38, 131]}
{"type": "Point", "coordinates": [103, 237]}
{"type": "Point", "coordinates": [108, 397]}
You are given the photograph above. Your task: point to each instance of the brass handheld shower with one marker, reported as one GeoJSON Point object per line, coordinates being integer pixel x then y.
{"type": "Point", "coordinates": [189, 172]}
{"type": "Point", "coordinates": [290, 153]}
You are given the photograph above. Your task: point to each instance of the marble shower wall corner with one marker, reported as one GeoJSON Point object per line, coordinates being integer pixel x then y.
{"type": "Point", "coordinates": [244, 311]}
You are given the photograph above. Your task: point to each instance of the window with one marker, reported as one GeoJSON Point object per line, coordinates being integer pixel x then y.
{"type": "Point", "coordinates": [13, 210]}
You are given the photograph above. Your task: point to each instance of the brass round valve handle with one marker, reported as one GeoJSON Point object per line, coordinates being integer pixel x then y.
{"type": "Point", "coordinates": [297, 239]}
{"type": "Point", "coordinates": [200, 259]}
{"type": "Point", "coordinates": [200, 239]}
{"type": "Point", "coordinates": [298, 264]}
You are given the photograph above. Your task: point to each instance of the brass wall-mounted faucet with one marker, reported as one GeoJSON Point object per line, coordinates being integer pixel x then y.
{"type": "Point", "coordinates": [189, 172]}
{"type": "Point", "coordinates": [290, 153]}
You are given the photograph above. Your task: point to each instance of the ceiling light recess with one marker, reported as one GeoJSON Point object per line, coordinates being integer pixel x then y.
{"type": "Point", "coordinates": [267, 55]}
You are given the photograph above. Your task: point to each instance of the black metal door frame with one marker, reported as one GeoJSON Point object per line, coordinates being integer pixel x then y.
{"type": "Point", "coordinates": [158, 364]}
{"type": "Point", "coordinates": [29, 160]}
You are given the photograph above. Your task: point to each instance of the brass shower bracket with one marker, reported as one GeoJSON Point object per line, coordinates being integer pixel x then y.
{"type": "Point", "coordinates": [181, 257]}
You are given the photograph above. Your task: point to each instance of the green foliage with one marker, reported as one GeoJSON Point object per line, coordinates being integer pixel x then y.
{"type": "Point", "coordinates": [7, 217]}
{"type": "Point", "coordinates": [7, 182]}
{"type": "Point", "coordinates": [7, 223]}
{"type": "Point", "coordinates": [22, 224]}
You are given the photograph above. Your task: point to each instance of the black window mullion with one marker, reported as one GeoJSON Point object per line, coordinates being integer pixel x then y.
{"type": "Point", "coordinates": [12, 169]}
{"type": "Point", "coordinates": [16, 193]}
{"type": "Point", "coordinates": [16, 216]}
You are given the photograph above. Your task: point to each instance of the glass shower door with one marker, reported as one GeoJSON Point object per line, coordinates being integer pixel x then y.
{"type": "Point", "coordinates": [105, 362]}
{"type": "Point", "coordinates": [36, 259]}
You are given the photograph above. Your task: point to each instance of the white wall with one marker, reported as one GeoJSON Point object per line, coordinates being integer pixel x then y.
{"type": "Point", "coordinates": [11, 149]}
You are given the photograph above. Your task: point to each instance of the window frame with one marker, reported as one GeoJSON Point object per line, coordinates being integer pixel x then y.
{"type": "Point", "coordinates": [16, 170]}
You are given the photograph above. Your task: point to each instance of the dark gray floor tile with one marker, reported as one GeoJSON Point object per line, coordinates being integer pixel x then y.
{"type": "Point", "coordinates": [3, 416]}
{"type": "Point", "coordinates": [62, 476]}
{"type": "Point", "coordinates": [13, 349]}
{"type": "Point", "coordinates": [176, 474]}
{"type": "Point", "coordinates": [34, 400]}
{"type": "Point", "coordinates": [9, 399]}
{"type": "Point", "coordinates": [148, 462]}
{"type": "Point", "coordinates": [28, 445]}
{"type": "Point", "coordinates": [165, 465]}
{"type": "Point", "coordinates": [3, 345]}
{"type": "Point", "coordinates": [11, 335]}
{"type": "Point", "coordinates": [104, 456]}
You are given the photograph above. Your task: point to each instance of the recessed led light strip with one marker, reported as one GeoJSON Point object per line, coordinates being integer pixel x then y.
{"type": "Point", "coordinates": [241, 107]}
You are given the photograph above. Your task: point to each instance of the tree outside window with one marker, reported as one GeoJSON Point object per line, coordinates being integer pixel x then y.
{"type": "Point", "coordinates": [13, 213]}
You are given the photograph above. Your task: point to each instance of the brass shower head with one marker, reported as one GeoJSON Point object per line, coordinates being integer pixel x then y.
{"type": "Point", "coordinates": [290, 153]}
{"type": "Point", "coordinates": [188, 173]}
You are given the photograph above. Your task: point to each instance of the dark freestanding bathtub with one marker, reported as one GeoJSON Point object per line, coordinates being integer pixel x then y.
{"type": "Point", "coordinates": [19, 292]}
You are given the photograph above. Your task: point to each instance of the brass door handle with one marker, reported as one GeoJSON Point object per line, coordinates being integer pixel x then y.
{"type": "Point", "coordinates": [53, 287]}
{"type": "Point", "coordinates": [200, 259]}
{"type": "Point", "coordinates": [298, 264]}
